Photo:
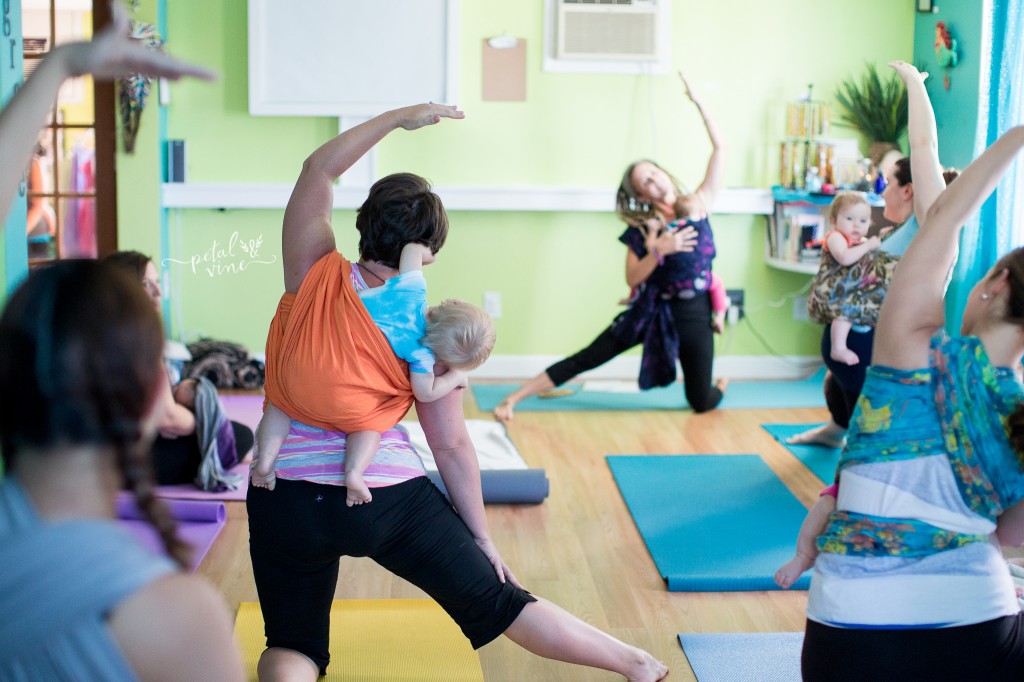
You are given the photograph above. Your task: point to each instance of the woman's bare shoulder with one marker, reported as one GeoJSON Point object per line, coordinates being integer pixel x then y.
{"type": "Point", "coordinates": [192, 638]}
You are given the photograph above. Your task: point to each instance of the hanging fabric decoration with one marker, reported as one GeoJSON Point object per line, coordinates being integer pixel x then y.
{"type": "Point", "coordinates": [946, 48]}
{"type": "Point", "coordinates": [134, 89]}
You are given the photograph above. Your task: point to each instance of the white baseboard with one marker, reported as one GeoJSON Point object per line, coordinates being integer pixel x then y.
{"type": "Point", "coordinates": [628, 367]}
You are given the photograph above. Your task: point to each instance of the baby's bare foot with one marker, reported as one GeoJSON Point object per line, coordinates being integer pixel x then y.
{"type": "Point", "coordinates": [792, 570]}
{"type": "Point", "coordinates": [845, 356]}
{"type": "Point", "coordinates": [358, 492]}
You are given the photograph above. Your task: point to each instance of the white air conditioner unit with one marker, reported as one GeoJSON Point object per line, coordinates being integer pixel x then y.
{"type": "Point", "coordinates": [610, 30]}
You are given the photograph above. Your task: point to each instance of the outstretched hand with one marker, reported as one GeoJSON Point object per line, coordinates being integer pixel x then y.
{"type": "Point", "coordinates": [420, 115]}
{"type": "Point", "coordinates": [113, 53]}
{"type": "Point", "coordinates": [908, 73]}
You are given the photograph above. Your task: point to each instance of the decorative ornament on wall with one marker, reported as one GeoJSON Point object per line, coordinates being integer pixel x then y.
{"type": "Point", "coordinates": [946, 50]}
{"type": "Point", "coordinates": [134, 89]}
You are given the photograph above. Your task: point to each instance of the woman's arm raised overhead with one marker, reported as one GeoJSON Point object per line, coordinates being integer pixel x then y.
{"type": "Point", "coordinates": [925, 168]}
{"type": "Point", "coordinates": [913, 308]}
{"type": "Point", "coordinates": [307, 235]}
{"type": "Point", "coordinates": [110, 54]}
{"type": "Point", "coordinates": [714, 175]}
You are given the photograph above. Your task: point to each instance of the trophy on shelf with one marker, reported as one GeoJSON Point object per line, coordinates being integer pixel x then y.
{"type": "Point", "coordinates": [806, 158]}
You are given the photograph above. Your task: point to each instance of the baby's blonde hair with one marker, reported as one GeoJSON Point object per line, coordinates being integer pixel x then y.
{"type": "Point", "coordinates": [460, 335]}
{"type": "Point", "coordinates": [844, 200]}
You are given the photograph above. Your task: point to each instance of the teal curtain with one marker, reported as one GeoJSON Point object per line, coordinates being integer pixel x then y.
{"type": "Point", "coordinates": [999, 224]}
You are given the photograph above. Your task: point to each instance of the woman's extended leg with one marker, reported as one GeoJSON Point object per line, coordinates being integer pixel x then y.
{"type": "Point", "coordinates": [552, 632]}
{"type": "Point", "coordinates": [602, 349]}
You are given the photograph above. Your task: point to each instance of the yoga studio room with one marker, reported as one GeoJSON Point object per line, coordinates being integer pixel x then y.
{"type": "Point", "coordinates": [709, 367]}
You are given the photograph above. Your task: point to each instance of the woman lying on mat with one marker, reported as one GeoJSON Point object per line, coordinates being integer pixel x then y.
{"type": "Point", "coordinates": [177, 454]}
{"type": "Point", "coordinates": [910, 582]}
{"type": "Point", "coordinates": [80, 363]}
{"type": "Point", "coordinates": [328, 364]}
{"type": "Point", "coordinates": [669, 265]}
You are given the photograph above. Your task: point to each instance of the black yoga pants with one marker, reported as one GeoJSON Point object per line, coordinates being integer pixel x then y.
{"type": "Point", "coordinates": [692, 318]}
{"type": "Point", "coordinates": [992, 651]}
{"type": "Point", "coordinates": [298, 531]}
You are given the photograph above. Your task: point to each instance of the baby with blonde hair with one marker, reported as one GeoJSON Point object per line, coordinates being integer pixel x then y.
{"type": "Point", "coordinates": [454, 334]}
{"type": "Point", "coordinates": [853, 277]}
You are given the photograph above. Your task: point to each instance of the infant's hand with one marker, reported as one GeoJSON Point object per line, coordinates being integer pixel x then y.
{"type": "Point", "coordinates": [873, 242]}
{"type": "Point", "coordinates": [686, 239]}
{"type": "Point", "coordinates": [886, 231]}
{"type": "Point", "coordinates": [718, 322]}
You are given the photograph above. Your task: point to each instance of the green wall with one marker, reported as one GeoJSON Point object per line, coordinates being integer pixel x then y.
{"type": "Point", "coordinates": [560, 274]}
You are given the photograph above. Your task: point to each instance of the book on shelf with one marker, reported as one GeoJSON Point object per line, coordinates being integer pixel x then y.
{"type": "Point", "coordinates": [804, 231]}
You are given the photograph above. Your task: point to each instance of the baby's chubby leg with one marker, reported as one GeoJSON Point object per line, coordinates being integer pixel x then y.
{"type": "Point", "coordinates": [360, 447]}
{"type": "Point", "coordinates": [270, 435]}
{"type": "Point", "coordinates": [840, 352]}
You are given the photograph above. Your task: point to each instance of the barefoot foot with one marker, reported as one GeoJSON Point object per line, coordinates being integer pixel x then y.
{"type": "Point", "coordinates": [831, 435]}
{"type": "Point", "coordinates": [358, 492]}
{"type": "Point", "coordinates": [722, 383]}
{"type": "Point", "coordinates": [792, 570]}
{"type": "Point", "coordinates": [845, 356]}
{"type": "Point", "coordinates": [646, 668]}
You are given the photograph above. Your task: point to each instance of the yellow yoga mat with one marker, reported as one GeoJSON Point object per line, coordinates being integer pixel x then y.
{"type": "Point", "coordinates": [379, 639]}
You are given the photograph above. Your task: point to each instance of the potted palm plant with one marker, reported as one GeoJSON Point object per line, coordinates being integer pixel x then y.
{"type": "Point", "coordinates": [877, 108]}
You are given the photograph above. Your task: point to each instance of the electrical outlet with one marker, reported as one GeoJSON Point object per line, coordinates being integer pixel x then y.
{"type": "Point", "coordinates": [735, 303]}
{"type": "Point", "coordinates": [492, 304]}
{"type": "Point", "coordinates": [800, 309]}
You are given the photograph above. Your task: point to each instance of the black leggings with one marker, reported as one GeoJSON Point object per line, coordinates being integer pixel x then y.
{"type": "Point", "coordinates": [843, 383]}
{"type": "Point", "coordinates": [176, 460]}
{"type": "Point", "coordinates": [298, 531]}
{"type": "Point", "coordinates": [692, 319]}
{"type": "Point", "coordinates": [992, 651]}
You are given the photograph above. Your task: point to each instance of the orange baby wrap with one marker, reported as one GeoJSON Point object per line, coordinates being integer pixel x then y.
{"type": "Point", "coordinates": [328, 365]}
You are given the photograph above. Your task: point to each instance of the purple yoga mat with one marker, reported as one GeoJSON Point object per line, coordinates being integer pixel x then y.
{"type": "Point", "coordinates": [243, 408]}
{"type": "Point", "coordinates": [199, 523]}
{"type": "Point", "coordinates": [188, 491]}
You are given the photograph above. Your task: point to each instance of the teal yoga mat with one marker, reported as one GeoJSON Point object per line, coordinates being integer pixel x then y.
{"type": "Point", "coordinates": [820, 459]}
{"type": "Point", "coordinates": [712, 523]}
{"type": "Point", "coordinates": [744, 657]}
{"type": "Point", "coordinates": [740, 395]}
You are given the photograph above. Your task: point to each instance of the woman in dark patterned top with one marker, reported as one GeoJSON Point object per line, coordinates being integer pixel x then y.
{"type": "Point", "coordinates": [668, 266]}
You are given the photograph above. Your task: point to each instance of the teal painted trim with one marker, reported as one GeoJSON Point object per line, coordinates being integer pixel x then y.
{"type": "Point", "coordinates": [15, 243]}
{"type": "Point", "coordinates": [165, 233]}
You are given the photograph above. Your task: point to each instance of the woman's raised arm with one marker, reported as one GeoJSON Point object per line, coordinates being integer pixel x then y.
{"type": "Point", "coordinates": [307, 233]}
{"type": "Point", "coordinates": [925, 168]}
{"type": "Point", "coordinates": [913, 308]}
{"type": "Point", "coordinates": [109, 55]}
{"type": "Point", "coordinates": [714, 175]}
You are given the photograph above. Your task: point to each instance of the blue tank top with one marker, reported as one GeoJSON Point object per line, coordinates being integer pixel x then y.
{"type": "Point", "coordinates": [58, 585]}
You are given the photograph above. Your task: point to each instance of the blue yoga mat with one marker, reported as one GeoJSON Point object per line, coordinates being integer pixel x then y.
{"type": "Point", "coordinates": [744, 657]}
{"type": "Point", "coordinates": [712, 523]}
{"type": "Point", "coordinates": [740, 395]}
{"type": "Point", "coordinates": [820, 459]}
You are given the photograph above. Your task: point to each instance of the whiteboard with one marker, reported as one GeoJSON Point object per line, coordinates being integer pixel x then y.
{"type": "Point", "coordinates": [351, 57]}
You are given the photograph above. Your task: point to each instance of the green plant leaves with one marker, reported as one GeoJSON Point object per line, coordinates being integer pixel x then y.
{"type": "Point", "coordinates": [875, 107]}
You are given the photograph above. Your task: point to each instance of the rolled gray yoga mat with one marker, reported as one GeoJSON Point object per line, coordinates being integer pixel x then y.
{"type": "Point", "coordinates": [507, 486]}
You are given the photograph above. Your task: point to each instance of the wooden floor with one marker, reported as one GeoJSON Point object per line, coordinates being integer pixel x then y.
{"type": "Point", "coordinates": [580, 547]}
